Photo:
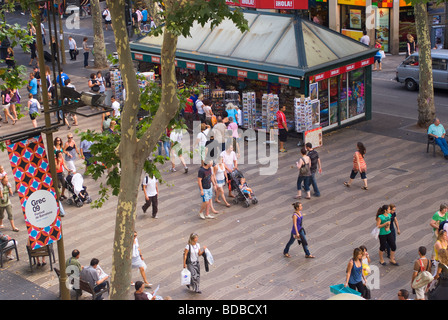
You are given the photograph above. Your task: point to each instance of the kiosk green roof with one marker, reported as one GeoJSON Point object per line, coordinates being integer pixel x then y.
{"type": "Point", "coordinates": [278, 45]}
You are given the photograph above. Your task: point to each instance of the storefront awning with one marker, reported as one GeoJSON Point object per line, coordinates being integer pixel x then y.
{"type": "Point", "coordinates": [278, 47]}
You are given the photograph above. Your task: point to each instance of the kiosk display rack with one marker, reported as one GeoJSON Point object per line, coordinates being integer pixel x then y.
{"type": "Point", "coordinates": [303, 114]}
{"type": "Point", "coordinates": [269, 108]}
{"type": "Point", "coordinates": [249, 110]}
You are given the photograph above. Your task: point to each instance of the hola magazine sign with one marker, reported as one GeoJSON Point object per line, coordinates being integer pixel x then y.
{"type": "Point", "coordinates": [270, 4]}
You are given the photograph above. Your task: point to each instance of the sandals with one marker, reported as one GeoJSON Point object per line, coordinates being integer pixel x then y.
{"type": "Point", "coordinates": [287, 255]}
{"type": "Point", "coordinates": [364, 188]}
{"type": "Point", "coordinates": [346, 184]}
{"type": "Point", "coordinates": [310, 257]}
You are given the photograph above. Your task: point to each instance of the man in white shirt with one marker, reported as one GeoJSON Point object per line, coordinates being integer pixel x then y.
{"type": "Point", "coordinates": [176, 149]}
{"type": "Point", "coordinates": [116, 106]}
{"type": "Point", "coordinates": [72, 48]}
{"type": "Point", "coordinates": [365, 38]}
{"type": "Point", "coordinates": [107, 18]}
{"type": "Point", "coordinates": [201, 140]}
{"type": "Point", "coordinates": [150, 188]}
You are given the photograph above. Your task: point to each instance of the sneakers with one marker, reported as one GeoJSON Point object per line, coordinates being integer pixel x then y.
{"type": "Point", "coordinates": [210, 216]}
{"type": "Point", "coordinates": [173, 169]}
{"type": "Point", "coordinates": [186, 169]}
{"type": "Point", "coordinates": [201, 215]}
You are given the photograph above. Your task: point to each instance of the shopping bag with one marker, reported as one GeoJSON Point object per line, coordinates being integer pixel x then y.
{"type": "Point", "coordinates": [209, 257]}
{"type": "Point", "coordinates": [375, 232]}
{"type": "Point", "coordinates": [185, 277]}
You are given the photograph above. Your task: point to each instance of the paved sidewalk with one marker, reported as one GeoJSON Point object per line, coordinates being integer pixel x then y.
{"type": "Point", "coordinates": [247, 243]}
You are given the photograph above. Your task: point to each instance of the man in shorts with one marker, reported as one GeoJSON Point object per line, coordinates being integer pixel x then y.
{"type": "Point", "coordinates": [205, 181]}
{"type": "Point", "coordinates": [282, 128]}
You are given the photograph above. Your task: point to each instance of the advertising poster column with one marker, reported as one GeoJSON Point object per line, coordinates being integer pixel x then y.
{"type": "Point", "coordinates": [37, 195]}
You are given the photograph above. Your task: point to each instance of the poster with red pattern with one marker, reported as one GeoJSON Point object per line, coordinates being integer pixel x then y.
{"type": "Point", "coordinates": [37, 194]}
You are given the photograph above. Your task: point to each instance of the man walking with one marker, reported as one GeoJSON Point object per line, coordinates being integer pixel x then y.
{"type": "Point", "coordinates": [315, 166]}
{"type": "Point", "coordinates": [73, 49]}
{"type": "Point", "coordinates": [151, 190]}
{"type": "Point", "coordinates": [282, 128]}
{"type": "Point", "coordinates": [205, 181]}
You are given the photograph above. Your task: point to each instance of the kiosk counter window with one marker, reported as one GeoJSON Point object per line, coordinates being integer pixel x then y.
{"type": "Point", "coordinates": [341, 97]}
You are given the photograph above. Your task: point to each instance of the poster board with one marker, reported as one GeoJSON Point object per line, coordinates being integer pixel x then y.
{"type": "Point", "coordinates": [314, 136]}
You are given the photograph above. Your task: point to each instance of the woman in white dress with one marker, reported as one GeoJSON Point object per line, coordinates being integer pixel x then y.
{"type": "Point", "coordinates": [137, 260]}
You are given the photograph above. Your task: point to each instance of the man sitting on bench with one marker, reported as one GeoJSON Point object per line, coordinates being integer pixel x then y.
{"type": "Point", "coordinates": [90, 275]}
{"type": "Point", "coordinates": [437, 131]}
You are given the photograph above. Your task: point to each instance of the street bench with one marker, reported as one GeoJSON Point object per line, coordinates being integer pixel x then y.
{"type": "Point", "coordinates": [41, 252]}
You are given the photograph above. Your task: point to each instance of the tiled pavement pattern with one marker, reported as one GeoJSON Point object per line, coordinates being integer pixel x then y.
{"type": "Point", "coordinates": [247, 243]}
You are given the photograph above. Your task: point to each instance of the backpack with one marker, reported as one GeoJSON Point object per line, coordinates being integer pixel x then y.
{"type": "Point", "coordinates": [146, 179]}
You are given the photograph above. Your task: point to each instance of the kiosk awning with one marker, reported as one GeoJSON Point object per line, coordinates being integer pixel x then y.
{"type": "Point", "coordinates": [276, 47]}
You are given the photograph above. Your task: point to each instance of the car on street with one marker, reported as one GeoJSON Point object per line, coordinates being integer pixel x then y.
{"type": "Point", "coordinates": [408, 71]}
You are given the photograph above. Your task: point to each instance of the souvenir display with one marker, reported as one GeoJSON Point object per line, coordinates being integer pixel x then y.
{"type": "Point", "coordinates": [249, 110]}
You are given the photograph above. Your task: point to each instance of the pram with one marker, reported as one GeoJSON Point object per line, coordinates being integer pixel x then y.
{"type": "Point", "coordinates": [240, 196]}
{"type": "Point", "coordinates": [74, 184]}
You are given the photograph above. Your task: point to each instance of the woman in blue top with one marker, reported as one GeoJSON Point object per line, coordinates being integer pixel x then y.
{"type": "Point", "coordinates": [297, 232]}
{"type": "Point", "coordinates": [355, 276]}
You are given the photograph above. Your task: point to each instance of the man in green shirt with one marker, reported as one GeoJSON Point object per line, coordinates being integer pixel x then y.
{"type": "Point", "coordinates": [74, 261]}
{"type": "Point", "coordinates": [436, 219]}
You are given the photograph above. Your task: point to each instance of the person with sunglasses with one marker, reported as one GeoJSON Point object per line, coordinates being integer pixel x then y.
{"type": "Point", "coordinates": [71, 151]}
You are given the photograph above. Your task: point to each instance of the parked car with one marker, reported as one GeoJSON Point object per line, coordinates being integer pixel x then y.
{"type": "Point", "coordinates": [408, 70]}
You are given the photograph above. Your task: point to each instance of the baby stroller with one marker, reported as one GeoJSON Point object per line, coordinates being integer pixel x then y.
{"type": "Point", "coordinates": [74, 184]}
{"type": "Point", "coordinates": [244, 195]}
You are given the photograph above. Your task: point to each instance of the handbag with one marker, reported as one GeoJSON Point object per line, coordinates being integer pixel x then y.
{"type": "Point", "coordinates": [303, 169]}
{"type": "Point", "coordinates": [423, 278]}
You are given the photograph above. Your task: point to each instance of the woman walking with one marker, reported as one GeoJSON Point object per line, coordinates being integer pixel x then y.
{"type": "Point", "coordinates": [304, 166]}
{"type": "Point", "coordinates": [33, 109]}
{"type": "Point", "coordinates": [355, 278]}
{"type": "Point", "coordinates": [192, 253]}
{"type": "Point", "coordinates": [297, 232]}
{"type": "Point", "coordinates": [441, 290]}
{"type": "Point", "coordinates": [359, 165]}
{"type": "Point", "coordinates": [70, 151]}
{"type": "Point", "coordinates": [221, 180]}
{"type": "Point", "coordinates": [6, 102]}
{"type": "Point", "coordinates": [383, 218]}
{"type": "Point", "coordinates": [60, 166]}
{"type": "Point", "coordinates": [15, 99]}
{"type": "Point", "coordinates": [410, 45]}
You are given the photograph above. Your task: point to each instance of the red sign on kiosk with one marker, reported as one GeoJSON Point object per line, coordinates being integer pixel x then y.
{"type": "Point", "coordinates": [343, 69]}
{"type": "Point", "coordinates": [270, 4]}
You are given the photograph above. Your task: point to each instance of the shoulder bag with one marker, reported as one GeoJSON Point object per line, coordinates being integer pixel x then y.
{"type": "Point", "coordinates": [423, 278]}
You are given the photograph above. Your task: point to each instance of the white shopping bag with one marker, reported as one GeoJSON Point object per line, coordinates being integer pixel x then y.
{"type": "Point", "coordinates": [185, 277]}
{"type": "Point", "coordinates": [375, 232]}
{"type": "Point", "coordinates": [209, 257]}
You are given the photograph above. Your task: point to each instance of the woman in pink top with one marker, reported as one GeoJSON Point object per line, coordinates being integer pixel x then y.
{"type": "Point", "coordinates": [359, 165]}
{"type": "Point", "coordinates": [234, 127]}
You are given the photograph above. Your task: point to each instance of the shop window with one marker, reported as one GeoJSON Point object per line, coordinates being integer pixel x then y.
{"type": "Point", "coordinates": [356, 93]}
{"type": "Point", "coordinates": [324, 103]}
{"type": "Point", "coordinates": [333, 99]}
{"type": "Point", "coordinates": [343, 100]}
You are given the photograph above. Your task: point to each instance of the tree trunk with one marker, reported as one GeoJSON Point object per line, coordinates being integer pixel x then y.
{"type": "Point", "coordinates": [425, 100]}
{"type": "Point", "coordinates": [131, 162]}
{"type": "Point", "coordinates": [99, 47]}
{"type": "Point", "coordinates": [134, 152]}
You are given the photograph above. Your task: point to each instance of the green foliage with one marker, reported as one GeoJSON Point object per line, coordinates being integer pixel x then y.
{"type": "Point", "coordinates": [105, 159]}
{"type": "Point", "coordinates": [186, 13]}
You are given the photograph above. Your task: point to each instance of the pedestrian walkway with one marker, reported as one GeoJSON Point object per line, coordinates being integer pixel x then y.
{"type": "Point", "coordinates": [247, 243]}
